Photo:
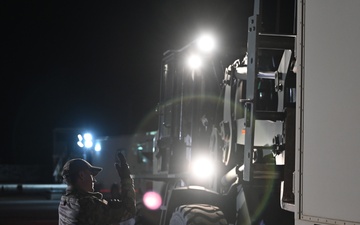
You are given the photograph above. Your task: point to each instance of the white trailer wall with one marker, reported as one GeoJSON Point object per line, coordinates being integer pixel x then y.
{"type": "Point", "coordinates": [329, 143]}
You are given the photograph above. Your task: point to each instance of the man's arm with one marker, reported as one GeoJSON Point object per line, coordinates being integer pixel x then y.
{"type": "Point", "coordinates": [127, 186]}
{"type": "Point", "coordinates": [94, 210]}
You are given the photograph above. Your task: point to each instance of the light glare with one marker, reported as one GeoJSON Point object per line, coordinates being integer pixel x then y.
{"type": "Point", "coordinates": [202, 168]}
{"type": "Point", "coordinates": [152, 200]}
{"type": "Point", "coordinates": [80, 141]}
{"type": "Point", "coordinates": [97, 147]}
{"type": "Point", "coordinates": [194, 61]}
{"type": "Point", "coordinates": [206, 43]}
{"type": "Point", "coordinates": [88, 140]}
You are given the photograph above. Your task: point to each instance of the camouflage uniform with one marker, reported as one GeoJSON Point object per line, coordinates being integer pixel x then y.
{"type": "Point", "coordinates": [79, 207]}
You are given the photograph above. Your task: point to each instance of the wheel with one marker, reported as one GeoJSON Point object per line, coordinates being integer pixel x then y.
{"type": "Point", "coordinates": [198, 214]}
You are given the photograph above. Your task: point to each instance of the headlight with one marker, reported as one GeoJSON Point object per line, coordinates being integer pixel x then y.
{"type": "Point", "coordinates": [206, 43]}
{"type": "Point", "coordinates": [202, 168]}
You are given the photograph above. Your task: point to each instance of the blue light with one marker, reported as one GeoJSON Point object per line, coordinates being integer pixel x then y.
{"type": "Point", "coordinates": [88, 140]}
{"type": "Point", "coordinates": [97, 147]}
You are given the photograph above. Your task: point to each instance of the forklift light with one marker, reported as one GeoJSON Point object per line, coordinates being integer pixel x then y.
{"type": "Point", "coordinates": [202, 168]}
{"type": "Point", "coordinates": [206, 43]}
{"type": "Point", "coordinates": [194, 61]}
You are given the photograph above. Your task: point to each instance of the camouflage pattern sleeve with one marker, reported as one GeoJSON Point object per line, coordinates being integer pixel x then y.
{"type": "Point", "coordinates": [94, 210]}
{"type": "Point", "coordinates": [128, 197]}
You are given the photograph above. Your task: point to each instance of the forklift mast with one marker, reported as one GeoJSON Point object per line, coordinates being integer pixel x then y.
{"type": "Point", "coordinates": [188, 99]}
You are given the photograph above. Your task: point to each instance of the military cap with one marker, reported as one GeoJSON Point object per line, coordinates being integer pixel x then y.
{"type": "Point", "coordinates": [75, 165]}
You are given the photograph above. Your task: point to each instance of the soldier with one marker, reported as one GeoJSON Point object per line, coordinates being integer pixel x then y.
{"type": "Point", "coordinates": [81, 205]}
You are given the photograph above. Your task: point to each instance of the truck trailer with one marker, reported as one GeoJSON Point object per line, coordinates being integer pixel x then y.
{"type": "Point", "coordinates": [279, 125]}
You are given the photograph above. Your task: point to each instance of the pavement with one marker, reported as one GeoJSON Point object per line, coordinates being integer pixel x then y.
{"type": "Point", "coordinates": [30, 207]}
{"type": "Point", "coordinates": [27, 210]}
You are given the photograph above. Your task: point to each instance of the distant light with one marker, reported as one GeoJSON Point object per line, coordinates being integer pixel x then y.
{"type": "Point", "coordinates": [88, 140]}
{"type": "Point", "coordinates": [80, 144]}
{"type": "Point", "coordinates": [152, 132]}
{"type": "Point", "coordinates": [97, 147]}
{"type": "Point", "coordinates": [87, 136]}
{"type": "Point", "coordinates": [140, 148]}
{"type": "Point", "coordinates": [80, 141]}
{"type": "Point", "coordinates": [88, 144]}
{"type": "Point", "coordinates": [206, 43]}
{"type": "Point", "coordinates": [152, 200]}
{"type": "Point", "coordinates": [194, 61]}
{"type": "Point", "coordinates": [80, 137]}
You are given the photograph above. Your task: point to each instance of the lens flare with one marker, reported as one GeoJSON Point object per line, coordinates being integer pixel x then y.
{"type": "Point", "coordinates": [152, 200]}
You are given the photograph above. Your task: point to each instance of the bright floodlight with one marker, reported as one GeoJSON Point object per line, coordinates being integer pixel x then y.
{"type": "Point", "coordinates": [97, 147]}
{"type": "Point", "coordinates": [202, 167]}
{"type": "Point", "coordinates": [88, 140]}
{"type": "Point", "coordinates": [206, 43]}
{"type": "Point", "coordinates": [80, 141]}
{"type": "Point", "coordinates": [194, 61]}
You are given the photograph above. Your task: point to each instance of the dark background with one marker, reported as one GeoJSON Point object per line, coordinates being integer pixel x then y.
{"type": "Point", "coordinates": [96, 64]}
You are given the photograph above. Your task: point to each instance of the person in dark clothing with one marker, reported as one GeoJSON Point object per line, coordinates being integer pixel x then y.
{"type": "Point", "coordinates": [81, 205]}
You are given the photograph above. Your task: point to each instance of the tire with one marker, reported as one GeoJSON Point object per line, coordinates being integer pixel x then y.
{"type": "Point", "coordinates": [198, 214]}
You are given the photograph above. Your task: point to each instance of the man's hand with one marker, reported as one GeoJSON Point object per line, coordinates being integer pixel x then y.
{"type": "Point", "coordinates": [122, 167]}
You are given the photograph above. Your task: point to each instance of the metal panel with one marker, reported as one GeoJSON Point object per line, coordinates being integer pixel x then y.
{"type": "Point", "coordinates": [330, 172]}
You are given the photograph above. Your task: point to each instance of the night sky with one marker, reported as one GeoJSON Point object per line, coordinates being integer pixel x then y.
{"type": "Point", "coordinates": [95, 64]}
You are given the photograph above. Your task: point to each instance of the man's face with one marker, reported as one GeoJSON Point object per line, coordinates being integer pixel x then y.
{"type": "Point", "coordinates": [86, 181]}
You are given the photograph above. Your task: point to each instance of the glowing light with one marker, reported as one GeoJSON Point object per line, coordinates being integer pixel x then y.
{"type": "Point", "coordinates": [152, 200]}
{"type": "Point", "coordinates": [206, 43]}
{"type": "Point", "coordinates": [80, 141]}
{"type": "Point", "coordinates": [202, 168]}
{"type": "Point", "coordinates": [88, 140]}
{"type": "Point", "coordinates": [97, 147]}
{"type": "Point", "coordinates": [80, 137]}
{"type": "Point", "coordinates": [194, 61]}
{"type": "Point", "coordinates": [87, 136]}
